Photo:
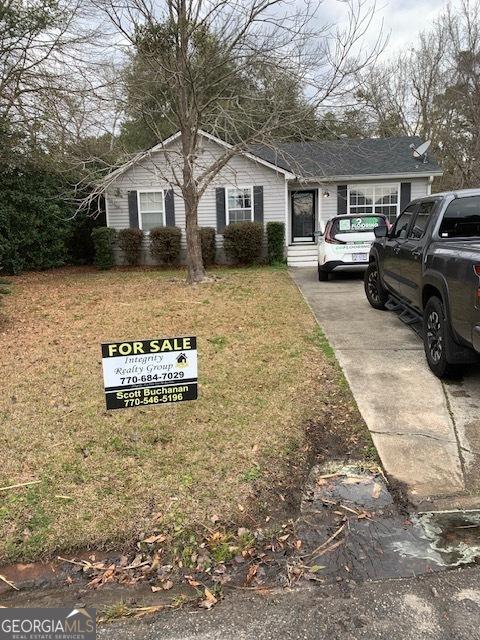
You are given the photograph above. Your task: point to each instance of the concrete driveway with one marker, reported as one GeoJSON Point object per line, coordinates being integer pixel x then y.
{"type": "Point", "coordinates": [426, 433]}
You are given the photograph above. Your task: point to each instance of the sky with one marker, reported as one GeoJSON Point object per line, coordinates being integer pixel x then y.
{"type": "Point", "coordinates": [403, 20]}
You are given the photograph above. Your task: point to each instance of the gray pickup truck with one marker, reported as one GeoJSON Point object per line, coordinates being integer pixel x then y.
{"type": "Point", "coordinates": [428, 265]}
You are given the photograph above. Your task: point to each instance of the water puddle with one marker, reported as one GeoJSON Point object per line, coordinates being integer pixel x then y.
{"type": "Point", "coordinates": [351, 529]}
{"type": "Point", "coordinates": [454, 536]}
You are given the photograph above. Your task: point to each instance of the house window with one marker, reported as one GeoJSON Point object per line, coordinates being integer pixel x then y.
{"type": "Point", "coordinates": [374, 198]}
{"type": "Point", "coordinates": [151, 209]}
{"type": "Point", "coordinates": [239, 205]}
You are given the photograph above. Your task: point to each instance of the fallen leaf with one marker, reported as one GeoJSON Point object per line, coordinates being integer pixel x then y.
{"type": "Point", "coordinates": [377, 490]}
{"type": "Point", "coordinates": [192, 582]}
{"type": "Point", "coordinates": [137, 561]}
{"type": "Point", "coordinates": [252, 572]}
{"type": "Point", "coordinates": [153, 539]}
{"type": "Point", "coordinates": [209, 600]}
{"type": "Point", "coordinates": [105, 577]}
{"type": "Point", "coordinates": [167, 585]}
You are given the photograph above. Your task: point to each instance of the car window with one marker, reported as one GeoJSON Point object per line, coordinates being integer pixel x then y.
{"type": "Point", "coordinates": [357, 224]}
{"type": "Point", "coordinates": [462, 218]}
{"type": "Point", "coordinates": [400, 228]}
{"type": "Point", "coordinates": [421, 220]}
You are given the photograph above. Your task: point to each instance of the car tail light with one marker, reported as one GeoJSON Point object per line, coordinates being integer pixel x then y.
{"type": "Point", "coordinates": [330, 239]}
{"type": "Point", "coordinates": [476, 268]}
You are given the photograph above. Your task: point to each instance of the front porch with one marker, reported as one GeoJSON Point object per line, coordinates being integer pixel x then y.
{"type": "Point", "coordinates": [303, 217]}
{"type": "Point", "coordinates": [302, 254]}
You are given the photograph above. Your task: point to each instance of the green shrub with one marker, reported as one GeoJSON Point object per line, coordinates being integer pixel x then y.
{"type": "Point", "coordinates": [130, 242]}
{"type": "Point", "coordinates": [207, 237]}
{"type": "Point", "coordinates": [103, 239]}
{"type": "Point", "coordinates": [243, 242]}
{"type": "Point", "coordinates": [275, 242]}
{"type": "Point", "coordinates": [33, 219]}
{"type": "Point", "coordinates": [79, 242]}
{"type": "Point", "coordinates": [165, 244]}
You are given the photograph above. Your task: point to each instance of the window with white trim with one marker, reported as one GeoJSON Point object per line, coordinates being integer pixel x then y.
{"type": "Point", "coordinates": [151, 210]}
{"type": "Point", "coordinates": [239, 204]}
{"type": "Point", "coordinates": [374, 198]}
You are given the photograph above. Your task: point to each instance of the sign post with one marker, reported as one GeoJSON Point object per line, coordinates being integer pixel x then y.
{"type": "Point", "coordinates": [145, 372]}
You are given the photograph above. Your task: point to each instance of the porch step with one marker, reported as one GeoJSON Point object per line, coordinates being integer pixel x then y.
{"type": "Point", "coordinates": [302, 255]}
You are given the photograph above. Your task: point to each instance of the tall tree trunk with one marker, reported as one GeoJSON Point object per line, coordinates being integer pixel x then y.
{"type": "Point", "coordinates": [196, 271]}
{"type": "Point", "coordinates": [188, 127]}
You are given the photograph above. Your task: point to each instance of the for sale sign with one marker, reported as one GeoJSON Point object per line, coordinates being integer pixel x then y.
{"type": "Point", "coordinates": [145, 372]}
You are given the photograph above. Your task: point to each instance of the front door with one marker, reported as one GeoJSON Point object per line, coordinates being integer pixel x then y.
{"type": "Point", "coordinates": [303, 215]}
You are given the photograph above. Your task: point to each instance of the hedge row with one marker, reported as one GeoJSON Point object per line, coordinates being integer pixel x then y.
{"type": "Point", "coordinates": [164, 245]}
{"type": "Point", "coordinates": [243, 244]}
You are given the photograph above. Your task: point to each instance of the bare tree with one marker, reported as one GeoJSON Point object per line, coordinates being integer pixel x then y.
{"type": "Point", "coordinates": [208, 60]}
{"type": "Point", "coordinates": [434, 92]}
{"type": "Point", "coordinates": [42, 43]}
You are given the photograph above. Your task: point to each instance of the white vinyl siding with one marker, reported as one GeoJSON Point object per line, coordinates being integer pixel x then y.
{"type": "Point", "coordinates": [151, 209]}
{"type": "Point", "coordinates": [151, 173]}
{"type": "Point", "coordinates": [239, 204]}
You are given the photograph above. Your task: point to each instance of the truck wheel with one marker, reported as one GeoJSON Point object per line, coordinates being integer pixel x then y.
{"type": "Point", "coordinates": [435, 336]}
{"type": "Point", "coordinates": [376, 294]}
{"type": "Point", "coordinates": [322, 275]}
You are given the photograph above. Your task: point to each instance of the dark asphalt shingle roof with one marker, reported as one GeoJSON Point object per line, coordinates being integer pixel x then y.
{"type": "Point", "coordinates": [348, 157]}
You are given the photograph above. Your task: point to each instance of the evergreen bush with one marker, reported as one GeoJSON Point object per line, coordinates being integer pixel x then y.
{"type": "Point", "coordinates": [130, 242]}
{"type": "Point", "coordinates": [243, 242]}
{"type": "Point", "coordinates": [275, 242]}
{"type": "Point", "coordinates": [165, 243]}
{"type": "Point", "coordinates": [103, 239]}
{"type": "Point", "coordinates": [207, 236]}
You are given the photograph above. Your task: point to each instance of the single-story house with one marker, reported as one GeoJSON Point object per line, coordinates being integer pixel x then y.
{"type": "Point", "coordinates": [301, 184]}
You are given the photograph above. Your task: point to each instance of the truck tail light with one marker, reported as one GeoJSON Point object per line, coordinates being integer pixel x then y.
{"type": "Point", "coordinates": [476, 268]}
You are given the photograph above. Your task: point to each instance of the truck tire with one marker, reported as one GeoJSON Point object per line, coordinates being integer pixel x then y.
{"type": "Point", "coordinates": [376, 294]}
{"type": "Point", "coordinates": [322, 275]}
{"type": "Point", "coordinates": [436, 333]}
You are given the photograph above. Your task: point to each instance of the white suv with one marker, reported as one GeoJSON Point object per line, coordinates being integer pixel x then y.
{"type": "Point", "coordinates": [345, 244]}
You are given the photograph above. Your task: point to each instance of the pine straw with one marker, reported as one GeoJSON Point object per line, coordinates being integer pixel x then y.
{"type": "Point", "coordinates": [107, 476]}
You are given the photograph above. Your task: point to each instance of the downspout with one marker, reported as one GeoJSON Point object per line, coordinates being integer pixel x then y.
{"type": "Point", "coordinates": [429, 186]}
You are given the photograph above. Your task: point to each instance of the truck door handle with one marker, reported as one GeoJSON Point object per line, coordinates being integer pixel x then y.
{"type": "Point", "coordinates": [416, 254]}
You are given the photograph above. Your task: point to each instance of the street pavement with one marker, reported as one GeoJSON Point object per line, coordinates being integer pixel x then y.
{"type": "Point", "coordinates": [436, 607]}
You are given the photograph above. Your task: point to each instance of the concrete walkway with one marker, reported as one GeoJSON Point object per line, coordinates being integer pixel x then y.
{"type": "Point", "coordinates": [411, 415]}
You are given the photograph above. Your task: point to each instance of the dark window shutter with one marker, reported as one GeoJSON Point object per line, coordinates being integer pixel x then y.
{"type": "Point", "coordinates": [405, 194]}
{"type": "Point", "coordinates": [133, 209]}
{"type": "Point", "coordinates": [258, 204]}
{"type": "Point", "coordinates": [220, 204]}
{"type": "Point", "coordinates": [342, 208]}
{"type": "Point", "coordinates": [169, 208]}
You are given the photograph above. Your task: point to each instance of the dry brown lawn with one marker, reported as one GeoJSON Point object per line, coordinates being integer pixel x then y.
{"type": "Point", "coordinates": [106, 476]}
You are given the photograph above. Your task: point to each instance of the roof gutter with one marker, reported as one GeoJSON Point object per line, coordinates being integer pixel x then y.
{"type": "Point", "coordinates": [372, 176]}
